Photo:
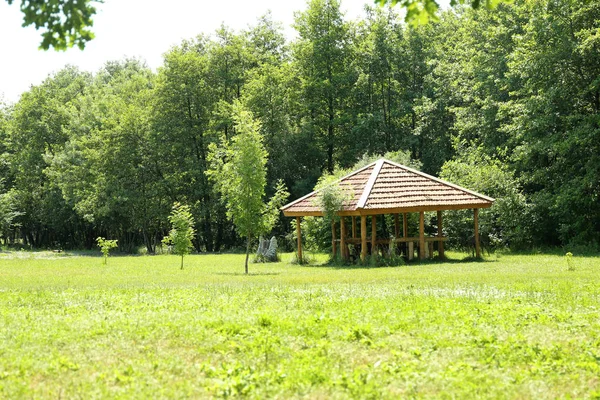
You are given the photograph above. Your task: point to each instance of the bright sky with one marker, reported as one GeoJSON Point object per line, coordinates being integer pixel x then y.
{"type": "Point", "coordinates": [132, 28]}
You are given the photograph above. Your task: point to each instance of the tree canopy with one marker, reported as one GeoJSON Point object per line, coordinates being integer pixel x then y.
{"type": "Point", "coordinates": [239, 173]}
{"type": "Point", "coordinates": [508, 96]}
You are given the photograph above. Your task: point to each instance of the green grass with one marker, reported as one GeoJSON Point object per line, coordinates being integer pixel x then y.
{"type": "Point", "coordinates": [513, 326]}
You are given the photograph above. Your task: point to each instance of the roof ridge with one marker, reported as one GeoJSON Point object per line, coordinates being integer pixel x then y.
{"type": "Point", "coordinates": [369, 185]}
{"type": "Point", "coordinates": [443, 182]}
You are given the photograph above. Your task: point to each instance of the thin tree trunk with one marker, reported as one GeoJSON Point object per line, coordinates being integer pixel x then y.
{"type": "Point", "coordinates": [247, 253]}
{"type": "Point", "coordinates": [330, 137]}
{"type": "Point", "coordinates": [182, 261]}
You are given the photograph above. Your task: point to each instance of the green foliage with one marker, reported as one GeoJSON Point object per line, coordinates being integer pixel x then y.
{"type": "Point", "coordinates": [316, 233]}
{"type": "Point", "coordinates": [507, 222]}
{"type": "Point", "coordinates": [331, 198]}
{"type": "Point", "coordinates": [182, 231]}
{"type": "Point", "coordinates": [555, 126]}
{"type": "Point", "coordinates": [8, 213]}
{"type": "Point", "coordinates": [64, 23]}
{"type": "Point", "coordinates": [104, 170]}
{"type": "Point", "coordinates": [239, 173]}
{"type": "Point", "coordinates": [105, 246]}
{"type": "Point", "coordinates": [322, 57]}
{"type": "Point", "coordinates": [422, 11]}
{"type": "Point", "coordinates": [41, 124]}
{"type": "Point", "coordinates": [521, 326]}
{"type": "Point", "coordinates": [108, 153]}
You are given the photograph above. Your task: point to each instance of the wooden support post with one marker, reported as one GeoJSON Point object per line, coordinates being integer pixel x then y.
{"type": "Point", "coordinates": [343, 248]}
{"type": "Point", "coordinates": [476, 217]}
{"type": "Point", "coordinates": [440, 234]}
{"type": "Point", "coordinates": [353, 227]}
{"type": "Point", "coordinates": [430, 248]}
{"type": "Point", "coordinates": [405, 233]}
{"type": "Point", "coordinates": [421, 235]}
{"type": "Point", "coordinates": [374, 235]}
{"type": "Point", "coordinates": [299, 235]}
{"type": "Point", "coordinates": [363, 237]}
{"type": "Point", "coordinates": [411, 250]}
{"type": "Point", "coordinates": [396, 226]}
{"type": "Point", "coordinates": [333, 241]}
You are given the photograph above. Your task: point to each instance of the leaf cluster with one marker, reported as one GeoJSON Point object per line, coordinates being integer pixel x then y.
{"type": "Point", "coordinates": [64, 23]}
{"type": "Point", "coordinates": [182, 230]}
{"type": "Point", "coordinates": [105, 246]}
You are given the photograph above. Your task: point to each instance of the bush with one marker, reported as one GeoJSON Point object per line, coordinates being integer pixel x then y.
{"type": "Point", "coordinates": [507, 223]}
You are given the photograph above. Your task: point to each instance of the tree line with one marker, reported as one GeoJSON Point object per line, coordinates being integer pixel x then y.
{"type": "Point", "coordinates": [506, 101]}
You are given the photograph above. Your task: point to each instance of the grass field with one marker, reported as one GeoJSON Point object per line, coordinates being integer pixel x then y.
{"type": "Point", "coordinates": [513, 326]}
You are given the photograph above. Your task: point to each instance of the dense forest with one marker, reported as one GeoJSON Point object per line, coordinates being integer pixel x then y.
{"type": "Point", "coordinates": [505, 101]}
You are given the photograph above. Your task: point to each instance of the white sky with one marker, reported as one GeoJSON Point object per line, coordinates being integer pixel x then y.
{"type": "Point", "coordinates": [132, 28]}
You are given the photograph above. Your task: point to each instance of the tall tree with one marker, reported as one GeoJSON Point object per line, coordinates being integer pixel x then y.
{"type": "Point", "coordinates": [390, 79]}
{"type": "Point", "coordinates": [555, 117]}
{"type": "Point", "coordinates": [39, 127]}
{"type": "Point", "coordinates": [324, 60]}
{"type": "Point", "coordinates": [186, 98]}
{"type": "Point", "coordinates": [238, 167]}
{"type": "Point", "coordinates": [106, 170]}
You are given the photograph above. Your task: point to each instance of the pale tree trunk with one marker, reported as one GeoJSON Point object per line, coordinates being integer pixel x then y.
{"type": "Point", "coordinates": [247, 252]}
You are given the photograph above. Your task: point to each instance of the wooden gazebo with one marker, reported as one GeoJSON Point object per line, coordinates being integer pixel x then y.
{"type": "Point", "coordinates": [385, 187]}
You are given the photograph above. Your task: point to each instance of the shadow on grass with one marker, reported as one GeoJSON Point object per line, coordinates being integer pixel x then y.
{"type": "Point", "coordinates": [248, 274]}
{"type": "Point", "coordinates": [578, 251]}
{"type": "Point", "coordinates": [339, 264]}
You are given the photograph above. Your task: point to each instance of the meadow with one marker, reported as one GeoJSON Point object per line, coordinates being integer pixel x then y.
{"type": "Point", "coordinates": [511, 326]}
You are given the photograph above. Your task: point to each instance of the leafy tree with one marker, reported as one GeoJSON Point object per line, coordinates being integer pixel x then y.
{"type": "Point", "coordinates": [507, 223]}
{"type": "Point", "coordinates": [238, 170]}
{"type": "Point", "coordinates": [183, 117]}
{"type": "Point", "coordinates": [64, 23]}
{"type": "Point", "coordinates": [40, 126]}
{"type": "Point", "coordinates": [380, 48]}
{"type": "Point", "coordinates": [106, 169]}
{"type": "Point", "coordinates": [323, 57]}
{"type": "Point", "coordinates": [421, 11]}
{"type": "Point", "coordinates": [266, 42]}
{"type": "Point", "coordinates": [105, 246]}
{"type": "Point", "coordinates": [5, 114]}
{"type": "Point", "coordinates": [553, 116]}
{"type": "Point", "coordinates": [182, 231]}
{"type": "Point", "coordinates": [510, 96]}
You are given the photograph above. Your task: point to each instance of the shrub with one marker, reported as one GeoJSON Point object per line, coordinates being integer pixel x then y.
{"type": "Point", "coordinates": [506, 223]}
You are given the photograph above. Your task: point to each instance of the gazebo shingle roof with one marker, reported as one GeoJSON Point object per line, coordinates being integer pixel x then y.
{"type": "Point", "coordinates": [387, 187]}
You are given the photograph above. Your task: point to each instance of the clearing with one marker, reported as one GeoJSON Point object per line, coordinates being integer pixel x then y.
{"type": "Point", "coordinates": [513, 326]}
